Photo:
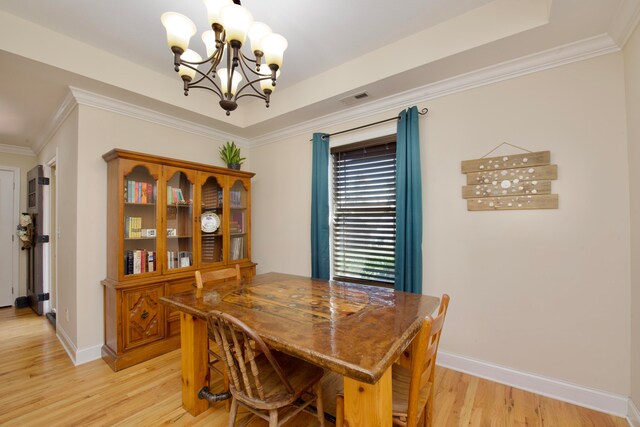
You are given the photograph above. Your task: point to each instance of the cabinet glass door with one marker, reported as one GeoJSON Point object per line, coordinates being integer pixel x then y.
{"type": "Point", "coordinates": [211, 220]}
{"type": "Point", "coordinates": [139, 231]}
{"type": "Point", "coordinates": [238, 221]}
{"type": "Point", "coordinates": [179, 219]}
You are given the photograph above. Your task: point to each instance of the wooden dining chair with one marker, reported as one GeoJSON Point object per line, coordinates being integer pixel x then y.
{"type": "Point", "coordinates": [210, 276]}
{"type": "Point", "coordinates": [214, 356]}
{"type": "Point", "coordinates": [268, 383]}
{"type": "Point", "coordinates": [413, 388]}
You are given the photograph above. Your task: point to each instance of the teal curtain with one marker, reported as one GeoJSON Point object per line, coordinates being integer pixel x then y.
{"type": "Point", "coordinates": [320, 207]}
{"type": "Point", "coordinates": [408, 268]}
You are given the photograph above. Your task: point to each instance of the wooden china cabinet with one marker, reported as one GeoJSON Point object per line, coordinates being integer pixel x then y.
{"type": "Point", "coordinates": [166, 218]}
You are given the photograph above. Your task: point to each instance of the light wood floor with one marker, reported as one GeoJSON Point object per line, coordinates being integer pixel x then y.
{"type": "Point", "coordinates": [40, 386]}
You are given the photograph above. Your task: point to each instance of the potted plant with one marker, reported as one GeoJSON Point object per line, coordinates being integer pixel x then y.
{"type": "Point", "coordinates": [230, 153]}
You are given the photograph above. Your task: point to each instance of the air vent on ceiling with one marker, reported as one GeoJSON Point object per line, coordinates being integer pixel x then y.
{"type": "Point", "coordinates": [353, 99]}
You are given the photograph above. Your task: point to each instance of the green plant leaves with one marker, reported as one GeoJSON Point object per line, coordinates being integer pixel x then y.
{"type": "Point", "coordinates": [230, 153]}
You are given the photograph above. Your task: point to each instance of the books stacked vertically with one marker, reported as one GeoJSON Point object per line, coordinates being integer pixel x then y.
{"type": "Point", "coordinates": [132, 227]}
{"type": "Point", "coordinates": [139, 261]}
{"type": "Point", "coordinates": [236, 224]}
{"type": "Point", "coordinates": [235, 197]}
{"type": "Point", "coordinates": [237, 250]}
{"type": "Point", "coordinates": [174, 196]}
{"type": "Point", "coordinates": [139, 192]}
{"type": "Point", "coordinates": [178, 259]}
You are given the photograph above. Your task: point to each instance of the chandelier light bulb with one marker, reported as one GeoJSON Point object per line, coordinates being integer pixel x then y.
{"type": "Point", "coordinates": [189, 56]}
{"type": "Point", "coordinates": [179, 29]}
{"type": "Point", "coordinates": [236, 79]}
{"type": "Point", "coordinates": [256, 33]}
{"type": "Point", "coordinates": [214, 7]}
{"type": "Point", "coordinates": [273, 46]}
{"type": "Point", "coordinates": [209, 39]}
{"type": "Point", "coordinates": [236, 21]}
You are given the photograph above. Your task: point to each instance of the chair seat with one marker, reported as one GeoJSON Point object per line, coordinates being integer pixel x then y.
{"type": "Point", "coordinates": [300, 374]}
{"type": "Point", "coordinates": [401, 378]}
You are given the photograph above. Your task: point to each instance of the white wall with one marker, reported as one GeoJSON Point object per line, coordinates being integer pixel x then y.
{"type": "Point", "coordinates": [24, 163]}
{"type": "Point", "coordinates": [64, 146]}
{"type": "Point", "coordinates": [539, 291]}
{"type": "Point", "coordinates": [632, 80]}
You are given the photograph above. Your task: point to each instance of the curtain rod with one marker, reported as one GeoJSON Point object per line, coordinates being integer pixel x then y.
{"type": "Point", "coordinates": [421, 112]}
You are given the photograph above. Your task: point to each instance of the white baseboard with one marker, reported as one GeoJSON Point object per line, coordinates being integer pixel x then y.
{"type": "Point", "coordinates": [67, 344]}
{"type": "Point", "coordinates": [602, 401]}
{"type": "Point", "coordinates": [78, 357]}
{"type": "Point", "coordinates": [89, 354]}
{"type": "Point", "coordinates": [634, 415]}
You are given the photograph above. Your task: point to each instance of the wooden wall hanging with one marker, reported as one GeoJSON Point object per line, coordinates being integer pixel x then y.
{"type": "Point", "coordinates": [510, 182]}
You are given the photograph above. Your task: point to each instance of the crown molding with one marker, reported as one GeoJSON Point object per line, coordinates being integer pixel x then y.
{"type": "Point", "coordinates": [77, 96]}
{"type": "Point", "coordinates": [561, 55]}
{"type": "Point", "coordinates": [55, 121]}
{"type": "Point", "coordinates": [558, 56]}
{"type": "Point", "coordinates": [625, 21]}
{"type": "Point", "coordinates": [16, 149]}
{"type": "Point", "coordinates": [84, 97]}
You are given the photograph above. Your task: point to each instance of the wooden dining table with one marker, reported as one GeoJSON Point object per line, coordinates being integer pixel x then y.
{"type": "Point", "coordinates": [355, 330]}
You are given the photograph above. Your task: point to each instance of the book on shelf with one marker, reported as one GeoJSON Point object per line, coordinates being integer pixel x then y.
{"type": "Point", "coordinates": [132, 227]}
{"type": "Point", "coordinates": [237, 248]}
{"type": "Point", "coordinates": [236, 224]}
{"type": "Point", "coordinates": [139, 192]}
{"type": "Point", "coordinates": [177, 259]}
{"type": "Point", "coordinates": [175, 196]}
{"type": "Point", "coordinates": [139, 261]}
{"type": "Point", "coordinates": [235, 198]}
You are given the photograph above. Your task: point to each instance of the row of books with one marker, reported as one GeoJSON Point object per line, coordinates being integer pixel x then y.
{"type": "Point", "coordinates": [178, 259]}
{"type": "Point", "coordinates": [139, 192]}
{"type": "Point", "coordinates": [175, 196]}
{"type": "Point", "coordinates": [132, 227]}
{"type": "Point", "coordinates": [139, 261]}
{"type": "Point", "coordinates": [237, 248]}
{"type": "Point", "coordinates": [235, 198]}
{"type": "Point", "coordinates": [236, 224]}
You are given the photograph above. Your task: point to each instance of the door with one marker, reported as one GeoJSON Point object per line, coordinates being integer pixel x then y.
{"type": "Point", "coordinates": [35, 283]}
{"type": "Point", "coordinates": [7, 237]}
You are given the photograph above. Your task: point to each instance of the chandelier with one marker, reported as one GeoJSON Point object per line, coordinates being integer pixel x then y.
{"type": "Point", "coordinates": [231, 23]}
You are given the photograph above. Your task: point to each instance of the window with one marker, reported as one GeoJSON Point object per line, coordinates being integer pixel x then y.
{"type": "Point", "coordinates": [364, 211]}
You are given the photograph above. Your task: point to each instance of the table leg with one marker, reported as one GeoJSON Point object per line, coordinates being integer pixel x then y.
{"type": "Point", "coordinates": [368, 404]}
{"type": "Point", "coordinates": [195, 372]}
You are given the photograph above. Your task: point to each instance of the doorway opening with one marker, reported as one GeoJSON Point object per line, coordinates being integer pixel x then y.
{"type": "Point", "coordinates": [9, 242]}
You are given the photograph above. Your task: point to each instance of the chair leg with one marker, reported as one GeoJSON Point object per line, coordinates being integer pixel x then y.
{"type": "Point", "coordinates": [233, 412]}
{"type": "Point", "coordinates": [273, 418]}
{"type": "Point", "coordinates": [339, 411]}
{"type": "Point", "coordinates": [428, 411]}
{"type": "Point", "coordinates": [225, 383]}
{"type": "Point", "coordinates": [319, 403]}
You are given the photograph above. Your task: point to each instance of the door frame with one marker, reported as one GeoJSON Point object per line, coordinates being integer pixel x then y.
{"type": "Point", "coordinates": [15, 270]}
{"type": "Point", "coordinates": [48, 229]}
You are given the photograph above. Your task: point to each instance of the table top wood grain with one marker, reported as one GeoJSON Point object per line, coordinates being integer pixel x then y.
{"type": "Point", "coordinates": [354, 330]}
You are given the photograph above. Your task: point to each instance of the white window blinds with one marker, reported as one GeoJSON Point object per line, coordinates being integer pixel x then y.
{"type": "Point", "coordinates": [364, 211]}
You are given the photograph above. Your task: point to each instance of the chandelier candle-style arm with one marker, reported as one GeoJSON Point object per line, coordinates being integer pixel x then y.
{"type": "Point", "coordinates": [231, 24]}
